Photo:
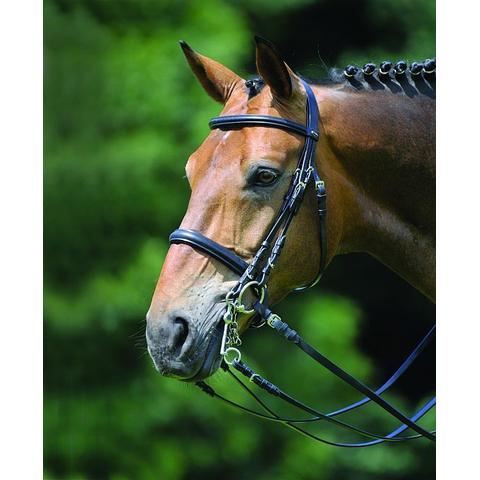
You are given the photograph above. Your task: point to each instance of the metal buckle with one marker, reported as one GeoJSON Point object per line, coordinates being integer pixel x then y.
{"type": "Point", "coordinates": [319, 184]}
{"type": "Point", "coordinates": [314, 134]}
{"type": "Point", "coordinates": [298, 188]}
{"type": "Point", "coordinates": [271, 318]}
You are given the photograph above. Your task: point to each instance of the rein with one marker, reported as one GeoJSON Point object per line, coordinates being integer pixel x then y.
{"type": "Point", "coordinates": [255, 275]}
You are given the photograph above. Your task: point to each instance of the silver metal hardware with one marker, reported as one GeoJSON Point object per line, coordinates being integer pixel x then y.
{"type": "Point", "coordinates": [239, 306]}
{"type": "Point", "coordinates": [271, 318]}
{"type": "Point", "coordinates": [228, 358]}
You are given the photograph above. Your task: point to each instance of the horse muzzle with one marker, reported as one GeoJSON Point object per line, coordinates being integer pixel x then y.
{"type": "Point", "coordinates": [179, 350]}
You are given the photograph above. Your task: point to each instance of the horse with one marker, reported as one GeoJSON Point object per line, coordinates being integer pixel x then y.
{"type": "Point", "coordinates": [375, 153]}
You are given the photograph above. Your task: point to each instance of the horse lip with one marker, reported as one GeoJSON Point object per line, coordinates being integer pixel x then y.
{"type": "Point", "coordinates": [212, 356]}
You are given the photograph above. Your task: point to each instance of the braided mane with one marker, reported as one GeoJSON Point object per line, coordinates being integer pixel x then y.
{"type": "Point", "coordinates": [418, 78]}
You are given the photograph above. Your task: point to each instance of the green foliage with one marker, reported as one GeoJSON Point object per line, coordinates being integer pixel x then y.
{"type": "Point", "coordinates": [415, 23]}
{"type": "Point", "coordinates": [122, 114]}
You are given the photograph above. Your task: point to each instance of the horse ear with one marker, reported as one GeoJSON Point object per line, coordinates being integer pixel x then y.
{"type": "Point", "coordinates": [274, 71]}
{"type": "Point", "coordinates": [217, 80]}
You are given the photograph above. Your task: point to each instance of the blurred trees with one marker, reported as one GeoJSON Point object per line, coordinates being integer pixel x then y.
{"type": "Point", "coordinates": [122, 114]}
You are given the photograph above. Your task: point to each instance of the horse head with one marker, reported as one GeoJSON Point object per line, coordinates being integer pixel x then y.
{"type": "Point", "coordinates": [238, 180]}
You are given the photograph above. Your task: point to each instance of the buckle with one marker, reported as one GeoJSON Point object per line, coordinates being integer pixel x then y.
{"type": "Point", "coordinates": [314, 134]}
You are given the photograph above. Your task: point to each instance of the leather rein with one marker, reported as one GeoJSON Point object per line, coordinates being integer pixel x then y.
{"type": "Point", "coordinates": [254, 276]}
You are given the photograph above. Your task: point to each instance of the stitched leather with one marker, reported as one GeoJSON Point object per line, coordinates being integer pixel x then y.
{"type": "Point", "coordinates": [200, 242]}
{"type": "Point", "coordinates": [231, 121]}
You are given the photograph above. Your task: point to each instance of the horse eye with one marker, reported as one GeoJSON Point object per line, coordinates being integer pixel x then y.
{"type": "Point", "coordinates": [265, 177]}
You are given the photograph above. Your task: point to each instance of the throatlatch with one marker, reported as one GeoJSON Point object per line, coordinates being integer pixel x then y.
{"type": "Point", "coordinates": [255, 275]}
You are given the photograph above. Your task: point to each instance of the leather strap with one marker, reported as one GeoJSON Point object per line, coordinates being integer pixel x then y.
{"type": "Point", "coordinates": [292, 423]}
{"type": "Point", "coordinates": [200, 242]}
{"type": "Point", "coordinates": [293, 336]}
{"type": "Point", "coordinates": [228, 122]}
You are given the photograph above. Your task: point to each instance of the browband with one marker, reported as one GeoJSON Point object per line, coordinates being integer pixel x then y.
{"type": "Point", "coordinates": [240, 121]}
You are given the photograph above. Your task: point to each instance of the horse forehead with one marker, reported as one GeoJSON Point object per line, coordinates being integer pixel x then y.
{"type": "Point", "coordinates": [236, 148]}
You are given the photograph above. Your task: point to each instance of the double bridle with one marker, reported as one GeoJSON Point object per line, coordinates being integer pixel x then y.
{"type": "Point", "coordinates": [254, 276]}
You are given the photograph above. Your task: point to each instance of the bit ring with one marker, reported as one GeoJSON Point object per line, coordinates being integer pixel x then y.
{"type": "Point", "coordinates": [232, 350]}
{"type": "Point", "coordinates": [241, 308]}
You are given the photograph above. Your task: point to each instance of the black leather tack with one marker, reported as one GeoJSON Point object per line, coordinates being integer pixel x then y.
{"type": "Point", "coordinates": [306, 171]}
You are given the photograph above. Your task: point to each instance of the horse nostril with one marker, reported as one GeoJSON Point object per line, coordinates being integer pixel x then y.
{"type": "Point", "coordinates": [179, 334]}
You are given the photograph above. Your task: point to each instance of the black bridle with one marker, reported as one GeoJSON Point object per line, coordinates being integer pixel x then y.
{"type": "Point", "coordinates": [255, 275]}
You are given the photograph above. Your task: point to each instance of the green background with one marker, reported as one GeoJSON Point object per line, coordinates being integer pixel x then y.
{"type": "Point", "coordinates": [122, 114]}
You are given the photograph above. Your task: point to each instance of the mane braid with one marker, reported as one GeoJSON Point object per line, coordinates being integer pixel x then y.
{"type": "Point", "coordinates": [411, 80]}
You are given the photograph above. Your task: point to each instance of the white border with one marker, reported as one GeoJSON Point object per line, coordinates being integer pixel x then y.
{"type": "Point", "coordinates": [458, 219]}
{"type": "Point", "coordinates": [458, 138]}
{"type": "Point", "coordinates": [21, 349]}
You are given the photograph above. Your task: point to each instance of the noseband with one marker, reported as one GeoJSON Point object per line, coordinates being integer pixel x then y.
{"type": "Point", "coordinates": [255, 275]}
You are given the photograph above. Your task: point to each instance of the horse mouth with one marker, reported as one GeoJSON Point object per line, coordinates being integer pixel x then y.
{"type": "Point", "coordinates": [212, 357]}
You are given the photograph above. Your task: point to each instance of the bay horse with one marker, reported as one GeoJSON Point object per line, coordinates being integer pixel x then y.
{"type": "Point", "coordinates": [376, 155]}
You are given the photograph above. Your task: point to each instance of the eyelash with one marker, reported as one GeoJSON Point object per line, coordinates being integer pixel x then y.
{"type": "Point", "coordinates": [256, 178]}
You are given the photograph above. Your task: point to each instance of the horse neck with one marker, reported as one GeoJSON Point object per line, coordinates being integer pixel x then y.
{"type": "Point", "coordinates": [377, 156]}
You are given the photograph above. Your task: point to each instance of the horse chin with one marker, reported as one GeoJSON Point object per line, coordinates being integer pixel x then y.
{"type": "Point", "coordinates": [212, 358]}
